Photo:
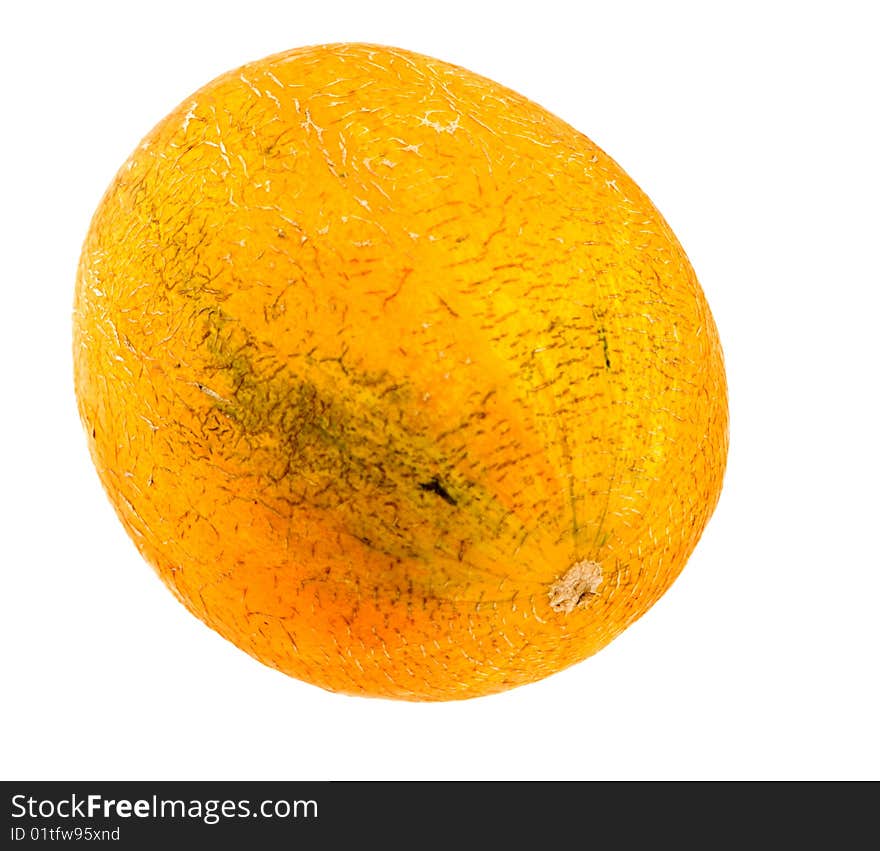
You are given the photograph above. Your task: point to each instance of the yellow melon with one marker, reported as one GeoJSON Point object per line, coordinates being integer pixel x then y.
{"type": "Point", "coordinates": [397, 380]}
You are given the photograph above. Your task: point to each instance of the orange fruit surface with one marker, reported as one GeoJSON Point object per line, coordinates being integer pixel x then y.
{"type": "Point", "coordinates": [398, 381]}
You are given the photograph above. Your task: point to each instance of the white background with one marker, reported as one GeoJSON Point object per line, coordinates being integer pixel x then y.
{"type": "Point", "coordinates": [753, 128]}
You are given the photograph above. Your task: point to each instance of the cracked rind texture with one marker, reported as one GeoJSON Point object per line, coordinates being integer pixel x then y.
{"type": "Point", "coordinates": [371, 350]}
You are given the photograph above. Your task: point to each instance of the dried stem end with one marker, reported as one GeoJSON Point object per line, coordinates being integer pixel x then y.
{"type": "Point", "coordinates": [575, 588]}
